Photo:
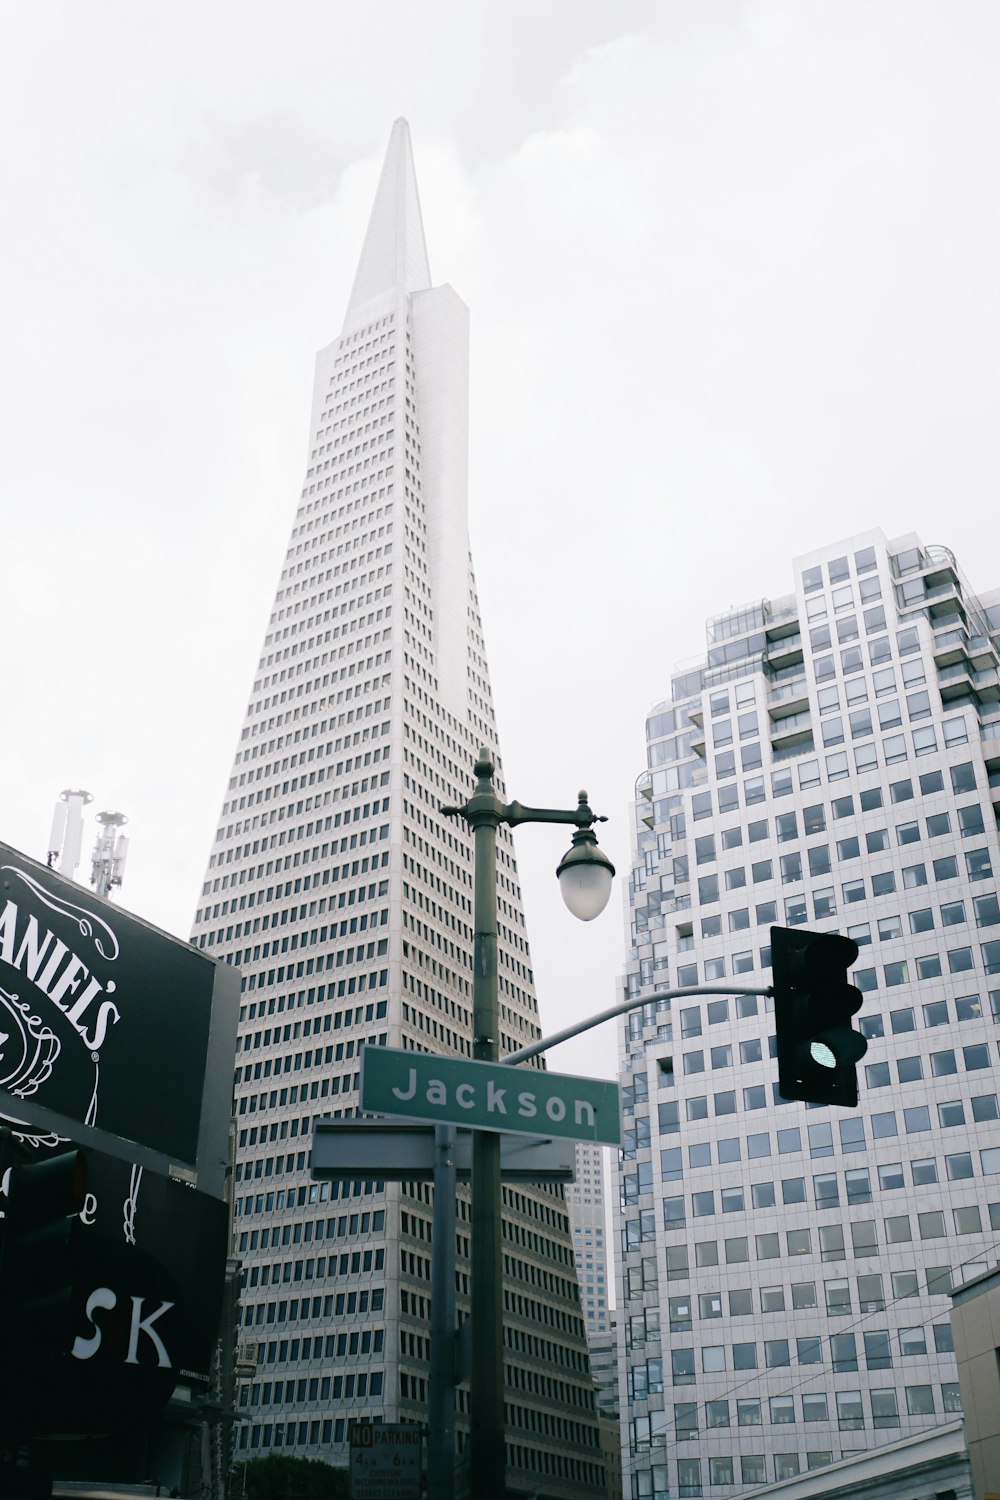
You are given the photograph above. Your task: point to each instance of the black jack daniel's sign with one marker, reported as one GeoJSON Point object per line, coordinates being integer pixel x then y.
{"type": "Point", "coordinates": [118, 1040]}
{"type": "Point", "coordinates": [103, 1019]}
{"type": "Point", "coordinates": [129, 1307]}
{"type": "Point", "coordinates": [151, 1254]}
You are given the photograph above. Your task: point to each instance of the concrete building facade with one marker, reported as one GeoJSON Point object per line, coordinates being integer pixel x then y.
{"type": "Point", "coordinates": [975, 1319]}
{"type": "Point", "coordinates": [347, 899]}
{"type": "Point", "coordinates": [831, 762]}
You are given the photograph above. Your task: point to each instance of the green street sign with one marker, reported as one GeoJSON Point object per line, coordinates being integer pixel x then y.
{"type": "Point", "coordinates": [489, 1096]}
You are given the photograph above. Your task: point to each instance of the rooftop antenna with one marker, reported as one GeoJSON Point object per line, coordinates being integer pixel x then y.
{"type": "Point", "coordinates": [66, 838]}
{"type": "Point", "coordinates": [110, 852]}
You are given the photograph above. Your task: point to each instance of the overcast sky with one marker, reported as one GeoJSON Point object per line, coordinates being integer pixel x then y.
{"type": "Point", "coordinates": [733, 275]}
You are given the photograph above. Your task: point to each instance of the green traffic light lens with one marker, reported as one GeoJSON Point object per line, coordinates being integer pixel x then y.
{"type": "Point", "coordinates": [822, 1054]}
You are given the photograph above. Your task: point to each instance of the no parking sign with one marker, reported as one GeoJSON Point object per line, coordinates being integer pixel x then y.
{"type": "Point", "coordinates": [385, 1461]}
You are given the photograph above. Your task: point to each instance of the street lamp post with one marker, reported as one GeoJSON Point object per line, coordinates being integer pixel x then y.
{"type": "Point", "coordinates": [585, 874]}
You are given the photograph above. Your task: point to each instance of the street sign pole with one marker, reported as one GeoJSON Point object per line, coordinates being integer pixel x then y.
{"type": "Point", "coordinates": [486, 1392]}
{"type": "Point", "coordinates": [441, 1383]}
{"type": "Point", "coordinates": [346, 1149]}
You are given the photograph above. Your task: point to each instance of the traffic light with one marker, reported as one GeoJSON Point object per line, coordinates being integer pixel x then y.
{"type": "Point", "coordinates": [818, 1048]}
{"type": "Point", "coordinates": [41, 1244]}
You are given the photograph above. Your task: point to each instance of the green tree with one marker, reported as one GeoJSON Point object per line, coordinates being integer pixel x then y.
{"type": "Point", "coordinates": [281, 1477]}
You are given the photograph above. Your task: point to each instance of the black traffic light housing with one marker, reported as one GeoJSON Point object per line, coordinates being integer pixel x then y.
{"type": "Point", "coordinates": [818, 1048]}
{"type": "Point", "coordinates": [40, 1255]}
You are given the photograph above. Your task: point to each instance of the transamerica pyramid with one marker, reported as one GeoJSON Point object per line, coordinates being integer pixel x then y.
{"type": "Point", "coordinates": [345, 897]}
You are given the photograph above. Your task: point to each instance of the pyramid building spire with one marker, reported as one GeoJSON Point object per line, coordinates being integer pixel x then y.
{"type": "Point", "coordinates": [394, 254]}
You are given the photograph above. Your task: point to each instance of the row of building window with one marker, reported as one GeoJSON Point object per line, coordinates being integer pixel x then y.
{"type": "Point", "coordinates": [797, 1296]}
{"type": "Point", "coordinates": [811, 1408]}
{"type": "Point", "coordinates": [934, 1224]}
{"type": "Point", "coordinates": [883, 883]}
{"type": "Point", "coordinates": [944, 1063]}
{"type": "Point", "coordinates": [857, 1180]}
{"type": "Point", "coordinates": [959, 960]}
{"type": "Point", "coordinates": [319, 1431]}
{"type": "Point", "coordinates": [842, 1351]}
{"type": "Point", "coordinates": [736, 1252]}
{"type": "Point", "coordinates": [885, 1124]}
{"type": "Point", "coordinates": [958, 1009]}
{"type": "Point", "coordinates": [814, 819]}
{"type": "Point", "coordinates": [839, 570]}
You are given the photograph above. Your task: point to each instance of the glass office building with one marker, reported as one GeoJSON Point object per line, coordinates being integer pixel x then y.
{"type": "Point", "coordinates": [831, 762]}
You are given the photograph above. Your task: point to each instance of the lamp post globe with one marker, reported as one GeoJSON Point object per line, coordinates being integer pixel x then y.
{"type": "Point", "coordinates": [585, 874]}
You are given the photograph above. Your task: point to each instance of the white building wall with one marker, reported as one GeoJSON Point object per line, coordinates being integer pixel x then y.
{"type": "Point", "coordinates": [441, 349]}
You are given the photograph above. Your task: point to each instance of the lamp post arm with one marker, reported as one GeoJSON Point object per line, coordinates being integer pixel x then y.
{"type": "Point", "coordinates": [543, 1043]}
{"type": "Point", "coordinates": [484, 808]}
{"type": "Point", "coordinates": [582, 815]}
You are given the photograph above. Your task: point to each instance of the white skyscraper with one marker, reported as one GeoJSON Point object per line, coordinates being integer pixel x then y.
{"type": "Point", "coordinates": [587, 1213]}
{"type": "Point", "coordinates": [346, 898]}
{"type": "Point", "coordinates": [831, 763]}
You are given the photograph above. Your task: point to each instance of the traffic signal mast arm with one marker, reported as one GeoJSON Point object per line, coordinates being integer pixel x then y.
{"type": "Point", "coordinates": [818, 1048]}
{"type": "Point", "coordinates": [543, 1043]}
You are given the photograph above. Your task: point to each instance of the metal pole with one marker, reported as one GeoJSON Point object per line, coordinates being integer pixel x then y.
{"type": "Point", "coordinates": [486, 1394]}
{"type": "Point", "coordinates": [484, 812]}
{"type": "Point", "coordinates": [441, 1386]}
{"type": "Point", "coordinates": [542, 1045]}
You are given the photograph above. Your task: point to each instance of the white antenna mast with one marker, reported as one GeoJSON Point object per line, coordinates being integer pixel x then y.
{"type": "Point", "coordinates": [110, 852]}
{"type": "Point", "coordinates": [107, 863]}
{"type": "Point", "coordinates": [66, 838]}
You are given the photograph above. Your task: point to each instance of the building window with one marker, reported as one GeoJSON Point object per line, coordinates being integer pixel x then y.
{"type": "Point", "coordinates": [963, 778]}
{"type": "Point", "coordinates": [843, 1353]}
{"type": "Point", "coordinates": [850, 1413]}
{"type": "Point", "coordinates": [967, 1220]}
{"type": "Point", "coordinates": [877, 1352]}
{"type": "Point", "coordinates": [814, 1408]}
{"type": "Point", "coordinates": [838, 1299]}
{"type": "Point", "coordinates": [920, 1400]}
{"type": "Point", "coordinates": [931, 1225]}
{"type": "Point", "coordinates": [689, 1476]}
{"type": "Point", "coordinates": [885, 1408]}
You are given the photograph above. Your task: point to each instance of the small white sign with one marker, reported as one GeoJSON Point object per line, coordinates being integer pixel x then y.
{"type": "Point", "coordinates": [385, 1461]}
